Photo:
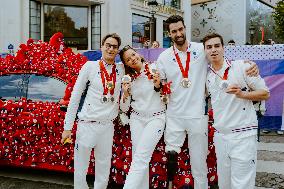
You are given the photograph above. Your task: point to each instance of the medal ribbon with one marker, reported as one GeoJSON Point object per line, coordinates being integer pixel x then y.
{"type": "Point", "coordinates": [187, 64]}
{"type": "Point", "coordinates": [225, 76]}
{"type": "Point", "coordinates": [106, 77]}
{"type": "Point", "coordinates": [147, 73]}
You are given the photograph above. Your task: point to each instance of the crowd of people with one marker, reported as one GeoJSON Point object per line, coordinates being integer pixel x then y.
{"type": "Point", "coordinates": [181, 76]}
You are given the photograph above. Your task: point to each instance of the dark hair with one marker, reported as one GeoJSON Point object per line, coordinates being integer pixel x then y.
{"type": "Point", "coordinates": [174, 19]}
{"type": "Point", "coordinates": [231, 41]}
{"type": "Point", "coordinates": [128, 70]}
{"type": "Point", "coordinates": [210, 36]}
{"type": "Point", "coordinates": [112, 35]}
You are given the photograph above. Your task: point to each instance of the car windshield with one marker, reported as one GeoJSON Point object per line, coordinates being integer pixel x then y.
{"type": "Point", "coordinates": [31, 86]}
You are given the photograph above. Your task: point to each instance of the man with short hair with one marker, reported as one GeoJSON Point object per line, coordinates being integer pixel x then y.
{"type": "Point", "coordinates": [231, 43]}
{"type": "Point", "coordinates": [184, 64]}
{"type": "Point", "coordinates": [95, 124]}
{"type": "Point", "coordinates": [235, 119]}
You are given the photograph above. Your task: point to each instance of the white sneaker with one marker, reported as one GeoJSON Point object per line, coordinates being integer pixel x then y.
{"type": "Point", "coordinates": [280, 132]}
{"type": "Point", "coordinates": [265, 131]}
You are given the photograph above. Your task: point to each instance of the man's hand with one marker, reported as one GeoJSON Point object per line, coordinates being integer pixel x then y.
{"type": "Point", "coordinates": [156, 79]}
{"type": "Point", "coordinates": [236, 90]}
{"type": "Point", "coordinates": [65, 135]}
{"type": "Point", "coordinates": [253, 71]}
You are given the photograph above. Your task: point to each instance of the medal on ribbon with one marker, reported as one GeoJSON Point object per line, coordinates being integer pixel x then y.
{"type": "Point", "coordinates": [224, 83]}
{"type": "Point", "coordinates": [108, 81]}
{"type": "Point", "coordinates": [185, 82]}
{"type": "Point", "coordinates": [104, 99]}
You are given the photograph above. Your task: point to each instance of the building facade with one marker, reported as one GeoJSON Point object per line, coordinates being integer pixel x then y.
{"type": "Point", "coordinates": [233, 20]}
{"type": "Point", "coordinates": [84, 22]}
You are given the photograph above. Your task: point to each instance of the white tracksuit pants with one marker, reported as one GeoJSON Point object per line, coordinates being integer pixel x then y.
{"type": "Point", "coordinates": [236, 161]}
{"type": "Point", "coordinates": [145, 134]}
{"type": "Point", "coordinates": [197, 130]}
{"type": "Point", "coordinates": [97, 136]}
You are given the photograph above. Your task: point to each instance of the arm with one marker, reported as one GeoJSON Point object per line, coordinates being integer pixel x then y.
{"type": "Point", "coordinates": [125, 97]}
{"type": "Point", "coordinates": [258, 89]}
{"type": "Point", "coordinates": [256, 95]}
{"type": "Point", "coordinates": [77, 92]}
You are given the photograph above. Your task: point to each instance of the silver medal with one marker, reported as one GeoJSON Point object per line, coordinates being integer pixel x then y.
{"type": "Point", "coordinates": [185, 82]}
{"type": "Point", "coordinates": [126, 79]}
{"type": "Point", "coordinates": [111, 99]}
{"type": "Point", "coordinates": [104, 99]}
{"type": "Point", "coordinates": [224, 84]}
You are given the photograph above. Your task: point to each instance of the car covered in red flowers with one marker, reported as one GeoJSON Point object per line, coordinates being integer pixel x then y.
{"type": "Point", "coordinates": [35, 86]}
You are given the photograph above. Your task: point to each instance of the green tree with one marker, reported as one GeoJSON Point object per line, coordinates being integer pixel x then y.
{"type": "Point", "coordinates": [278, 15]}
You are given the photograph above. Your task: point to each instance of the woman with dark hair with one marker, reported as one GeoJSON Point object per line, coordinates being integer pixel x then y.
{"type": "Point", "coordinates": [141, 89]}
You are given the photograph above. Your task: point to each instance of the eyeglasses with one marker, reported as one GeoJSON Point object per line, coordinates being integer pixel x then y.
{"type": "Point", "coordinates": [108, 46]}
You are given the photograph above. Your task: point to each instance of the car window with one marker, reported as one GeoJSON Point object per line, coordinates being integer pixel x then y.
{"type": "Point", "coordinates": [45, 88]}
{"type": "Point", "coordinates": [13, 86]}
{"type": "Point", "coordinates": [31, 86]}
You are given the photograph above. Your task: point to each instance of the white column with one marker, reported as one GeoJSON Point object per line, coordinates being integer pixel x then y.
{"type": "Point", "coordinates": [239, 25]}
{"type": "Point", "coordinates": [159, 30]}
{"type": "Point", "coordinates": [25, 20]}
{"type": "Point", "coordinates": [10, 24]}
{"type": "Point", "coordinates": [119, 20]}
{"type": "Point", "coordinates": [186, 6]}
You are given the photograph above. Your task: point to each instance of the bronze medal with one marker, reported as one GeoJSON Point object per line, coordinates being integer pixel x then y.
{"type": "Point", "coordinates": [110, 85]}
{"type": "Point", "coordinates": [165, 99]}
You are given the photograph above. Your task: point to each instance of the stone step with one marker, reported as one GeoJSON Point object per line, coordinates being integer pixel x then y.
{"type": "Point", "coordinates": [270, 167]}
{"type": "Point", "coordinates": [273, 147]}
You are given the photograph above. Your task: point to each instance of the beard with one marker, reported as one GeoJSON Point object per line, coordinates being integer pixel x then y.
{"type": "Point", "coordinates": [179, 42]}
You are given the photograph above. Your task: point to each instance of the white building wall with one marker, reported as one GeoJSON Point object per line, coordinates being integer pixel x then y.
{"type": "Point", "coordinates": [14, 27]}
{"type": "Point", "coordinates": [119, 19]}
{"type": "Point", "coordinates": [227, 18]}
{"type": "Point", "coordinates": [116, 16]}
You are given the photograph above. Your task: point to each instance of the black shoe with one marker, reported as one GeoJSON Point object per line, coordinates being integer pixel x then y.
{"type": "Point", "coordinates": [172, 164]}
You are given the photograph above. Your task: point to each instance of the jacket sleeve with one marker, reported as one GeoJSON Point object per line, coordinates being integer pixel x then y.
{"type": "Point", "coordinates": [76, 95]}
{"type": "Point", "coordinates": [254, 83]}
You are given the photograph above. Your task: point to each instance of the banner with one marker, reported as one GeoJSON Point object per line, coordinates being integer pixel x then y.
{"type": "Point", "coordinates": [270, 60]}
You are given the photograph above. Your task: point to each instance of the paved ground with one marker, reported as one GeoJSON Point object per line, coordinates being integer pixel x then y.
{"type": "Point", "coordinates": [270, 164]}
{"type": "Point", "coordinates": [270, 171]}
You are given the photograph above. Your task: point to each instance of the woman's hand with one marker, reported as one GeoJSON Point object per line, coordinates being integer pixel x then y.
{"type": "Point", "coordinates": [156, 79]}
{"type": "Point", "coordinates": [125, 90]}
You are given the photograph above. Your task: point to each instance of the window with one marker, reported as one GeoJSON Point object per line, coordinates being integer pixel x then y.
{"type": "Point", "coordinates": [71, 21]}
{"type": "Point", "coordinates": [166, 38]}
{"type": "Point", "coordinates": [172, 3]}
{"type": "Point", "coordinates": [96, 27]}
{"type": "Point", "coordinates": [35, 20]}
{"type": "Point", "coordinates": [260, 15]}
{"type": "Point", "coordinates": [140, 30]}
{"type": "Point", "coordinates": [31, 86]}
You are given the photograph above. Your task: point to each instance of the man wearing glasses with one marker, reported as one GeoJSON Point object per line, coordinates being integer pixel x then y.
{"type": "Point", "coordinates": [95, 120]}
